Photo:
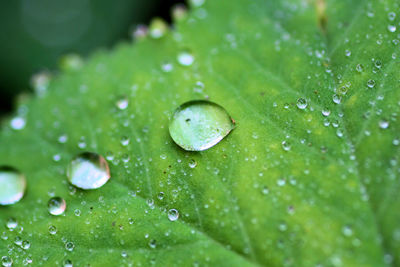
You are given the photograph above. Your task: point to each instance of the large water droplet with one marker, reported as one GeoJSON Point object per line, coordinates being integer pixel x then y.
{"type": "Point", "coordinates": [88, 171]}
{"type": "Point", "coordinates": [57, 206]}
{"type": "Point", "coordinates": [198, 125]}
{"type": "Point", "coordinates": [12, 185]}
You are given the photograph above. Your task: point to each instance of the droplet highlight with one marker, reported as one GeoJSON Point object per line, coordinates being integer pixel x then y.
{"type": "Point", "coordinates": [57, 206]}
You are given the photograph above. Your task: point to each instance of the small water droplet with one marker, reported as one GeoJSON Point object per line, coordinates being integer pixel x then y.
{"type": "Point", "coordinates": [18, 123]}
{"type": "Point", "coordinates": [301, 103]}
{"type": "Point", "coordinates": [371, 83]}
{"type": "Point", "coordinates": [198, 125]}
{"type": "Point", "coordinates": [6, 261]}
{"type": "Point", "coordinates": [153, 243]}
{"type": "Point", "coordinates": [26, 244]}
{"type": "Point", "coordinates": [326, 112]}
{"type": "Point", "coordinates": [12, 223]}
{"type": "Point", "coordinates": [167, 67]}
{"type": "Point", "coordinates": [286, 145]}
{"type": "Point", "coordinates": [347, 231]}
{"type": "Point", "coordinates": [185, 58]}
{"type": "Point", "coordinates": [88, 171]}
{"type": "Point", "coordinates": [69, 246]}
{"type": "Point", "coordinates": [125, 140]}
{"type": "Point", "coordinates": [192, 163]}
{"type": "Point", "coordinates": [173, 215]}
{"type": "Point", "coordinates": [360, 68]}
{"type": "Point", "coordinates": [383, 124]}
{"type": "Point", "coordinates": [52, 230]}
{"type": "Point", "coordinates": [158, 28]}
{"type": "Point", "coordinates": [68, 263]}
{"type": "Point", "coordinates": [122, 103]}
{"type": "Point", "coordinates": [12, 185]}
{"type": "Point", "coordinates": [347, 53]}
{"type": "Point", "coordinates": [391, 16]}
{"type": "Point", "coordinates": [391, 28]}
{"type": "Point", "coordinates": [337, 99]}
{"type": "Point", "coordinates": [56, 206]}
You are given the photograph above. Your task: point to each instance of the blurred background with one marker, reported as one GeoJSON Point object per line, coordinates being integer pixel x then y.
{"type": "Point", "coordinates": [35, 34]}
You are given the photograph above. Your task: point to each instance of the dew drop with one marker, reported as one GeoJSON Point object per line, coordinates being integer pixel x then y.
{"type": "Point", "coordinates": [391, 16]}
{"type": "Point", "coordinates": [391, 28]}
{"type": "Point", "coordinates": [26, 244]}
{"type": "Point", "coordinates": [173, 215]}
{"type": "Point", "coordinates": [301, 103]}
{"type": "Point", "coordinates": [69, 246]}
{"type": "Point", "coordinates": [383, 124]}
{"type": "Point", "coordinates": [286, 145]}
{"type": "Point", "coordinates": [88, 171]}
{"type": "Point", "coordinates": [347, 231]}
{"type": "Point", "coordinates": [198, 125]}
{"type": "Point", "coordinates": [12, 223]}
{"type": "Point", "coordinates": [371, 83]}
{"type": "Point", "coordinates": [12, 185]}
{"type": "Point", "coordinates": [68, 263]}
{"type": "Point", "coordinates": [185, 58]}
{"type": "Point", "coordinates": [6, 261]}
{"type": "Point", "coordinates": [326, 112]}
{"type": "Point", "coordinates": [192, 163]}
{"type": "Point", "coordinates": [52, 230]}
{"type": "Point", "coordinates": [56, 206]}
{"type": "Point", "coordinates": [360, 68]}
{"type": "Point", "coordinates": [337, 99]}
{"type": "Point", "coordinates": [153, 243]}
{"type": "Point", "coordinates": [167, 67]}
{"type": "Point", "coordinates": [157, 28]}
{"type": "Point", "coordinates": [18, 123]}
{"type": "Point", "coordinates": [122, 103]}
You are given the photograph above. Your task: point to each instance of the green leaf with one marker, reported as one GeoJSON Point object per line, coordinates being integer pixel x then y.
{"type": "Point", "coordinates": [289, 186]}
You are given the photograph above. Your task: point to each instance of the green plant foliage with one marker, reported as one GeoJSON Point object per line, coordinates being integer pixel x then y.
{"type": "Point", "coordinates": [309, 176]}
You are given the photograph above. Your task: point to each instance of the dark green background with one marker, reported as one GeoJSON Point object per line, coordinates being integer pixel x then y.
{"type": "Point", "coordinates": [34, 34]}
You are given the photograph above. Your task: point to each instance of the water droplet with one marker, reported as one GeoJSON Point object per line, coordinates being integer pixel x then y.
{"type": "Point", "coordinates": [301, 103]}
{"type": "Point", "coordinates": [122, 103]}
{"type": "Point", "coordinates": [326, 112]}
{"type": "Point", "coordinates": [153, 243]}
{"type": "Point", "coordinates": [378, 64]}
{"type": "Point", "coordinates": [26, 244]}
{"type": "Point", "coordinates": [12, 223]}
{"type": "Point", "coordinates": [383, 124]}
{"type": "Point", "coordinates": [197, 3]}
{"type": "Point", "coordinates": [286, 145]}
{"type": "Point", "coordinates": [371, 83]}
{"type": "Point", "coordinates": [342, 90]}
{"type": "Point", "coordinates": [71, 62]}
{"type": "Point", "coordinates": [69, 246]}
{"type": "Point", "coordinates": [157, 28]}
{"type": "Point", "coordinates": [265, 191]}
{"type": "Point", "coordinates": [125, 140]}
{"type": "Point", "coordinates": [140, 32]}
{"type": "Point", "coordinates": [192, 163]}
{"type": "Point", "coordinates": [198, 125]}
{"type": "Point", "coordinates": [88, 171]}
{"type": "Point", "coordinates": [18, 123]}
{"type": "Point", "coordinates": [12, 185]}
{"type": "Point", "coordinates": [185, 58]}
{"type": "Point", "coordinates": [337, 99]}
{"type": "Point", "coordinates": [360, 68]}
{"type": "Point", "coordinates": [77, 212]}
{"type": "Point", "coordinates": [347, 231]}
{"type": "Point", "coordinates": [40, 82]}
{"type": "Point", "coordinates": [6, 261]}
{"type": "Point", "coordinates": [68, 263]}
{"type": "Point", "coordinates": [179, 12]}
{"type": "Point", "coordinates": [56, 206]}
{"type": "Point", "coordinates": [391, 16]}
{"type": "Point", "coordinates": [347, 53]}
{"type": "Point", "coordinates": [52, 230]}
{"type": "Point", "coordinates": [173, 215]}
{"type": "Point", "coordinates": [391, 28]}
{"type": "Point", "coordinates": [167, 67]}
